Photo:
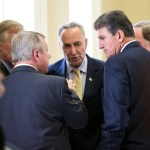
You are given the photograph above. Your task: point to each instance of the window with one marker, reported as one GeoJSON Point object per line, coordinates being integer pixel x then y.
{"type": "Point", "coordinates": [81, 11]}
{"type": "Point", "coordinates": [32, 14]}
{"type": "Point", "coordinates": [21, 11]}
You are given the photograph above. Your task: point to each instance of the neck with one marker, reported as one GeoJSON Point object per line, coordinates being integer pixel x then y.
{"type": "Point", "coordinates": [126, 40]}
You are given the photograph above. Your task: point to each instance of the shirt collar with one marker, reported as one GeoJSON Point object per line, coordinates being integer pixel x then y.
{"type": "Point", "coordinates": [25, 65]}
{"type": "Point", "coordinates": [126, 45]}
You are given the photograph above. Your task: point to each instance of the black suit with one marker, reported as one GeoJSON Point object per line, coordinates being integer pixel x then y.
{"type": "Point", "coordinates": [37, 109]}
{"type": "Point", "coordinates": [88, 137]}
{"type": "Point", "coordinates": [5, 69]}
{"type": "Point", "coordinates": [127, 100]}
{"type": "Point", "coordinates": [1, 139]}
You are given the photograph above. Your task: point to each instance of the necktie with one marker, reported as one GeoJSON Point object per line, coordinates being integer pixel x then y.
{"type": "Point", "coordinates": [78, 82]}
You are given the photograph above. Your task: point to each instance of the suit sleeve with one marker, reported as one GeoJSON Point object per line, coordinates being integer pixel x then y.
{"type": "Point", "coordinates": [115, 105]}
{"type": "Point", "coordinates": [73, 109]}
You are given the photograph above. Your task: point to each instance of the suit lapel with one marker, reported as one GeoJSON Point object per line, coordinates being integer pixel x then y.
{"type": "Point", "coordinates": [62, 68]}
{"type": "Point", "coordinates": [90, 78]}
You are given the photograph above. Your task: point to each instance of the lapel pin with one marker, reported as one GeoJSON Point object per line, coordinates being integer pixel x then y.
{"type": "Point", "coordinates": [90, 79]}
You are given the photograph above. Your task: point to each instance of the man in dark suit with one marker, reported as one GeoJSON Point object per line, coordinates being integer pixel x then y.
{"type": "Point", "coordinates": [37, 109]}
{"type": "Point", "coordinates": [73, 43]}
{"type": "Point", "coordinates": [8, 28]}
{"type": "Point", "coordinates": [126, 102]}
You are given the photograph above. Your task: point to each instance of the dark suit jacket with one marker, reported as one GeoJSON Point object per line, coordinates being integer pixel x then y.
{"type": "Point", "coordinates": [88, 137]}
{"type": "Point", "coordinates": [37, 109]}
{"type": "Point", "coordinates": [1, 139]}
{"type": "Point", "coordinates": [127, 100]}
{"type": "Point", "coordinates": [4, 69]}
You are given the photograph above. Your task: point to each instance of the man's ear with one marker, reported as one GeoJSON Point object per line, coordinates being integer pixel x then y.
{"type": "Point", "coordinates": [59, 45]}
{"type": "Point", "coordinates": [61, 48]}
{"type": "Point", "coordinates": [121, 36]}
{"type": "Point", "coordinates": [86, 42]}
{"type": "Point", "coordinates": [36, 54]}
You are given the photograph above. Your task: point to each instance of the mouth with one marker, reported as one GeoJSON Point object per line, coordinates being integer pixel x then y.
{"type": "Point", "coordinates": [74, 58]}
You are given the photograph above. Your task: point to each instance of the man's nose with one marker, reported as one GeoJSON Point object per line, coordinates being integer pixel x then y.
{"type": "Point", "coordinates": [73, 49]}
{"type": "Point", "coordinates": [101, 46]}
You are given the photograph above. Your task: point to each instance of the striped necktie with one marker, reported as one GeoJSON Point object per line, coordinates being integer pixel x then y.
{"type": "Point", "coordinates": [78, 82]}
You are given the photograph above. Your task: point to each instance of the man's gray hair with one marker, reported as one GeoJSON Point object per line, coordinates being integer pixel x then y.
{"type": "Point", "coordinates": [71, 25]}
{"type": "Point", "coordinates": [23, 45]}
{"type": "Point", "coordinates": [141, 23]}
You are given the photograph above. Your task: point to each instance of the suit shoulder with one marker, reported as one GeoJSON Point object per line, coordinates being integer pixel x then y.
{"type": "Point", "coordinates": [52, 77]}
{"type": "Point", "coordinates": [56, 64]}
{"type": "Point", "coordinates": [54, 68]}
{"type": "Point", "coordinates": [96, 62]}
{"type": "Point", "coordinates": [50, 80]}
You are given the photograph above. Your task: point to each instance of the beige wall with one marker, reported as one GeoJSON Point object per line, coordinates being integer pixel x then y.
{"type": "Point", "coordinates": [135, 9]}
{"type": "Point", "coordinates": [58, 14]}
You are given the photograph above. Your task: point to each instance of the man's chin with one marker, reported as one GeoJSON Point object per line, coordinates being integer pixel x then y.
{"type": "Point", "coordinates": [75, 64]}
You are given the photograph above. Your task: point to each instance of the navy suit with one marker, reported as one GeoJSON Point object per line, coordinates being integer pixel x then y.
{"type": "Point", "coordinates": [37, 109]}
{"type": "Point", "coordinates": [88, 137]}
{"type": "Point", "coordinates": [127, 100]}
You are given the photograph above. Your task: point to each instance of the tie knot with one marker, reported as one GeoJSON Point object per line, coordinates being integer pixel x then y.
{"type": "Point", "coordinates": [77, 71]}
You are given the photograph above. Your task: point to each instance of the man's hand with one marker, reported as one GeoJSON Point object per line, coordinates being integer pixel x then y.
{"type": "Point", "coordinates": [71, 85]}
